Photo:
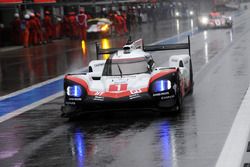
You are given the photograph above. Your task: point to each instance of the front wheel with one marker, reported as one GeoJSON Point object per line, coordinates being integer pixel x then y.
{"type": "Point", "coordinates": [176, 108]}
{"type": "Point", "coordinates": [178, 105]}
{"type": "Point", "coordinates": [68, 111]}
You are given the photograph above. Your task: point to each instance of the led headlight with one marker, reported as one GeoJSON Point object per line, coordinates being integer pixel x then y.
{"type": "Point", "coordinates": [161, 85]}
{"type": "Point", "coordinates": [191, 13]}
{"type": "Point", "coordinates": [177, 14]}
{"type": "Point", "coordinates": [204, 20]}
{"type": "Point", "coordinates": [74, 90]}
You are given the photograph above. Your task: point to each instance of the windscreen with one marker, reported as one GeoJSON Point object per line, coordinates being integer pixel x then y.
{"type": "Point", "coordinates": [126, 67]}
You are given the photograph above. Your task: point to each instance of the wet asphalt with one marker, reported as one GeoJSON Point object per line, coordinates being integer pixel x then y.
{"type": "Point", "coordinates": [192, 138]}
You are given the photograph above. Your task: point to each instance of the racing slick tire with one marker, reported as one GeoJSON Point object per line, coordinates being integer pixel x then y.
{"type": "Point", "coordinates": [230, 25]}
{"type": "Point", "coordinates": [176, 109]}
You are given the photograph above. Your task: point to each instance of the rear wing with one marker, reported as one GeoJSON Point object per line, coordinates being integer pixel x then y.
{"type": "Point", "coordinates": [177, 46]}
{"type": "Point", "coordinates": [100, 51]}
{"type": "Point", "coordinates": [148, 48]}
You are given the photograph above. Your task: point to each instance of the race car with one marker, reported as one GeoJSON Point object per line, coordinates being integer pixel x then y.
{"type": "Point", "coordinates": [129, 79]}
{"type": "Point", "coordinates": [99, 26]}
{"type": "Point", "coordinates": [214, 20]}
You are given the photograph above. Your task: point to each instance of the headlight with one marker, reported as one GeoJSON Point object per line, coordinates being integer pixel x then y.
{"type": "Point", "coordinates": [74, 91]}
{"type": "Point", "coordinates": [161, 85]}
{"type": "Point", "coordinates": [191, 13]}
{"type": "Point", "coordinates": [177, 14]}
{"type": "Point", "coordinates": [105, 27]}
{"type": "Point", "coordinates": [204, 20]}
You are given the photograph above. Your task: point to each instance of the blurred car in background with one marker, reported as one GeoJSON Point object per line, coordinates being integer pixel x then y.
{"type": "Point", "coordinates": [214, 20]}
{"type": "Point", "coordinates": [99, 27]}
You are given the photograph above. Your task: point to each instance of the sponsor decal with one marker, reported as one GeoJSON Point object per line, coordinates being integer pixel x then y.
{"type": "Point", "coordinates": [134, 96]}
{"type": "Point", "coordinates": [98, 93]}
{"type": "Point", "coordinates": [98, 98]}
{"type": "Point", "coordinates": [118, 87]}
{"type": "Point", "coordinates": [161, 94]}
{"type": "Point", "coordinates": [167, 97]}
{"type": "Point", "coordinates": [174, 60]}
{"type": "Point", "coordinates": [75, 99]}
{"type": "Point", "coordinates": [135, 91]}
{"type": "Point", "coordinates": [217, 22]}
{"type": "Point", "coordinates": [70, 102]}
{"type": "Point", "coordinates": [100, 64]}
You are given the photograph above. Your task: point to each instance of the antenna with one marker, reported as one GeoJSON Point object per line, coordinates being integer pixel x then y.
{"type": "Point", "coordinates": [189, 47]}
{"type": "Point", "coordinates": [97, 47]}
{"type": "Point", "coordinates": [129, 41]}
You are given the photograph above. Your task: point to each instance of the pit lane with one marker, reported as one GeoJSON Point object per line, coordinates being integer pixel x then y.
{"type": "Point", "coordinates": [194, 138]}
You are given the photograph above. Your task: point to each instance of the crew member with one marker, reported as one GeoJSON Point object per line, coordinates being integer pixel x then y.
{"type": "Point", "coordinates": [16, 29]}
{"type": "Point", "coordinates": [81, 20]}
{"type": "Point", "coordinates": [33, 30]}
{"type": "Point", "coordinates": [25, 27]}
{"type": "Point", "coordinates": [118, 23]}
{"type": "Point", "coordinates": [48, 27]}
{"type": "Point", "coordinates": [73, 26]}
{"type": "Point", "coordinates": [58, 27]}
{"type": "Point", "coordinates": [40, 39]}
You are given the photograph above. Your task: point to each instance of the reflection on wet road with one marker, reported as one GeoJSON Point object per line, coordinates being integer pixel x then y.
{"type": "Point", "coordinates": [142, 138]}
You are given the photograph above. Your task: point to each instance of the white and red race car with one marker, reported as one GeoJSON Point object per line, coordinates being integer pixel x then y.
{"type": "Point", "coordinates": [130, 79]}
{"type": "Point", "coordinates": [215, 20]}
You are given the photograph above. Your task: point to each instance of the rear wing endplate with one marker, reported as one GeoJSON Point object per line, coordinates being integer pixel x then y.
{"type": "Point", "coordinates": [100, 51]}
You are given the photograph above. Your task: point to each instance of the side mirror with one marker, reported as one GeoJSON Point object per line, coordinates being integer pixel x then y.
{"type": "Point", "coordinates": [151, 64]}
{"type": "Point", "coordinates": [90, 69]}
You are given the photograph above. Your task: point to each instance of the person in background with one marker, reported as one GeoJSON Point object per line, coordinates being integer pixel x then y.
{"type": "Point", "coordinates": [48, 26]}
{"type": "Point", "coordinates": [1, 34]}
{"type": "Point", "coordinates": [40, 39]}
{"type": "Point", "coordinates": [25, 27]}
{"type": "Point", "coordinates": [124, 18]}
{"type": "Point", "coordinates": [118, 23]}
{"type": "Point", "coordinates": [16, 29]}
{"type": "Point", "coordinates": [66, 26]}
{"type": "Point", "coordinates": [104, 13]}
{"type": "Point", "coordinates": [128, 19]}
{"type": "Point", "coordinates": [33, 30]}
{"type": "Point", "coordinates": [81, 20]}
{"type": "Point", "coordinates": [73, 26]}
{"type": "Point", "coordinates": [58, 27]}
{"type": "Point", "coordinates": [133, 21]}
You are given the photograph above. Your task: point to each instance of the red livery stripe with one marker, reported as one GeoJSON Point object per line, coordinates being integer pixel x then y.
{"type": "Point", "coordinates": [162, 73]}
{"type": "Point", "coordinates": [77, 80]}
{"type": "Point", "coordinates": [44, 1]}
{"type": "Point", "coordinates": [10, 1]}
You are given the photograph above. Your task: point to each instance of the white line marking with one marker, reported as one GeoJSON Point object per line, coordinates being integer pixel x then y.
{"type": "Point", "coordinates": [36, 86]}
{"type": "Point", "coordinates": [29, 107]}
{"type": "Point", "coordinates": [30, 88]}
{"type": "Point", "coordinates": [236, 142]}
{"type": "Point", "coordinates": [176, 36]}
